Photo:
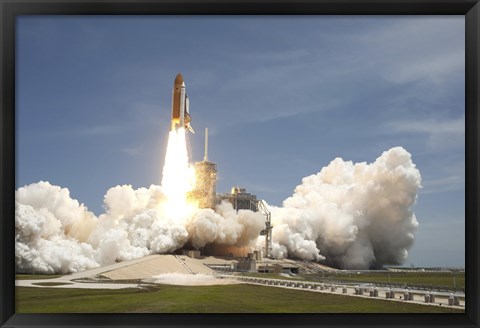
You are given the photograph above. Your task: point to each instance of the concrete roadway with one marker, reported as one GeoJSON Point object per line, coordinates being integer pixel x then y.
{"type": "Point", "coordinates": [72, 284]}
{"type": "Point", "coordinates": [418, 296]}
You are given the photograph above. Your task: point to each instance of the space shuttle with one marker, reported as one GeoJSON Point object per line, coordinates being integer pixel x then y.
{"type": "Point", "coordinates": [180, 105]}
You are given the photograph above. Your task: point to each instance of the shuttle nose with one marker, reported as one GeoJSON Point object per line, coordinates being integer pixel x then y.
{"type": "Point", "coordinates": [179, 79]}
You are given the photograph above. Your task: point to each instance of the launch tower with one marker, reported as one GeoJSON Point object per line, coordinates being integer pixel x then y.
{"type": "Point", "coordinates": [205, 180]}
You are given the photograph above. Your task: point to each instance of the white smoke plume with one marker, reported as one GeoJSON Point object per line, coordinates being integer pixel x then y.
{"type": "Point", "coordinates": [51, 230]}
{"type": "Point", "coordinates": [55, 234]}
{"type": "Point", "coordinates": [353, 216]}
{"type": "Point", "coordinates": [183, 279]}
{"type": "Point", "coordinates": [225, 226]}
{"type": "Point", "coordinates": [349, 215]}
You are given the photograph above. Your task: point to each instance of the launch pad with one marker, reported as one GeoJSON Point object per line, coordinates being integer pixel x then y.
{"type": "Point", "coordinates": [151, 270]}
{"type": "Point", "coordinates": [205, 189]}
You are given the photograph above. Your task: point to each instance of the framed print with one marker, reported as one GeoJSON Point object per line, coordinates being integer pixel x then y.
{"type": "Point", "coordinates": [195, 163]}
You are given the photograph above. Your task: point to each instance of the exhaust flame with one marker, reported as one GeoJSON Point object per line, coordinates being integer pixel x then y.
{"type": "Point", "coordinates": [178, 177]}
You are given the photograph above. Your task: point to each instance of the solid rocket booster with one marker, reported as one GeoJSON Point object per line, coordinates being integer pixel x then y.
{"type": "Point", "coordinates": [180, 105]}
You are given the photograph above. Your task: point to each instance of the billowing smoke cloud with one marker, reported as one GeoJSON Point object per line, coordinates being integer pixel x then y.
{"type": "Point", "coordinates": [55, 234]}
{"type": "Point", "coordinates": [198, 279]}
{"type": "Point", "coordinates": [349, 215]}
{"type": "Point", "coordinates": [51, 230]}
{"type": "Point", "coordinates": [225, 226]}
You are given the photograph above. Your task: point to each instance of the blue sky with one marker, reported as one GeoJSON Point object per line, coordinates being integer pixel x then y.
{"type": "Point", "coordinates": [281, 96]}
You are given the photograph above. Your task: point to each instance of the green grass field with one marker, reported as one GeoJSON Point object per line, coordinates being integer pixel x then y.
{"type": "Point", "coordinates": [437, 279]}
{"type": "Point", "coordinates": [204, 299]}
{"type": "Point", "coordinates": [36, 276]}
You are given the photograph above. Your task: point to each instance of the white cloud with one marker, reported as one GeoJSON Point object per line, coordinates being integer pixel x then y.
{"type": "Point", "coordinates": [443, 184]}
{"type": "Point", "coordinates": [278, 56]}
{"type": "Point", "coordinates": [442, 235]}
{"type": "Point", "coordinates": [132, 151]}
{"type": "Point", "coordinates": [99, 130]}
{"type": "Point", "coordinates": [418, 49]}
{"type": "Point", "coordinates": [350, 68]}
{"type": "Point", "coordinates": [441, 134]}
{"type": "Point", "coordinates": [450, 177]}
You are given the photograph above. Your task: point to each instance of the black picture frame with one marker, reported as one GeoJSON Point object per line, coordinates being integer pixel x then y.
{"type": "Point", "coordinates": [11, 9]}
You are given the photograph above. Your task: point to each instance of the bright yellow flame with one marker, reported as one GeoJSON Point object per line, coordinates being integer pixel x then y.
{"type": "Point", "coordinates": [178, 176]}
